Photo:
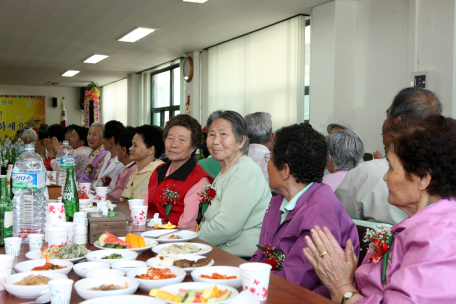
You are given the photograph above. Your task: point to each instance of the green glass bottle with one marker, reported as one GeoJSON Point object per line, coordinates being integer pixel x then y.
{"type": "Point", "coordinates": [70, 197]}
{"type": "Point", "coordinates": [6, 212]}
{"type": "Point", "coordinates": [199, 154]}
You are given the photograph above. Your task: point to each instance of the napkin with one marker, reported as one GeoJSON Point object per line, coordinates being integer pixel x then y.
{"type": "Point", "coordinates": [246, 297]}
{"type": "Point", "coordinates": [104, 207]}
{"type": "Point", "coordinates": [155, 221]}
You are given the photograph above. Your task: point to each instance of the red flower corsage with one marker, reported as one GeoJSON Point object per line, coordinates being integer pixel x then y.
{"type": "Point", "coordinates": [273, 257]}
{"type": "Point", "coordinates": [106, 181]}
{"type": "Point", "coordinates": [169, 199]}
{"type": "Point", "coordinates": [89, 170]}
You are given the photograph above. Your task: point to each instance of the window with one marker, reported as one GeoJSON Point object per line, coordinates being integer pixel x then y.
{"type": "Point", "coordinates": [165, 95]}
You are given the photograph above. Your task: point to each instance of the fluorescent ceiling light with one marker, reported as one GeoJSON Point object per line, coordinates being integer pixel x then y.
{"type": "Point", "coordinates": [195, 1]}
{"type": "Point", "coordinates": [95, 58]}
{"type": "Point", "coordinates": [136, 34]}
{"type": "Point", "coordinates": [70, 73]}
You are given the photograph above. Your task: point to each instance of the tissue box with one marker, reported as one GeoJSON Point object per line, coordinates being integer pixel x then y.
{"type": "Point", "coordinates": [99, 224]}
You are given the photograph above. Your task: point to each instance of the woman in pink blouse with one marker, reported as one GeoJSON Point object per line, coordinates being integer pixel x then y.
{"type": "Point", "coordinates": [419, 261]}
{"type": "Point", "coordinates": [78, 141]}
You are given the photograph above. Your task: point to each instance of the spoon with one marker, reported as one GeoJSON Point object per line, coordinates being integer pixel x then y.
{"type": "Point", "coordinates": [173, 232]}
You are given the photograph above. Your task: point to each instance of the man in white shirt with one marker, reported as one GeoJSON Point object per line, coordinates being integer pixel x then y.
{"type": "Point", "coordinates": [259, 128]}
{"type": "Point", "coordinates": [363, 192]}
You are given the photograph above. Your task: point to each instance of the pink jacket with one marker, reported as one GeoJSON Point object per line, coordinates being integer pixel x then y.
{"type": "Point", "coordinates": [422, 264]}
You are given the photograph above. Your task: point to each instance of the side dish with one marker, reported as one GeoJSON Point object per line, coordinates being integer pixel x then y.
{"type": "Point", "coordinates": [33, 280]}
{"type": "Point", "coordinates": [157, 274]}
{"type": "Point", "coordinates": [48, 266]}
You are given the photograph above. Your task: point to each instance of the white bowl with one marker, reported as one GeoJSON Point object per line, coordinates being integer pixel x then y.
{"type": "Point", "coordinates": [105, 273]}
{"type": "Point", "coordinates": [96, 256]}
{"type": "Point", "coordinates": [36, 255]}
{"type": "Point", "coordinates": [125, 299]}
{"type": "Point", "coordinates": [194, 285]}
{"type": "Point", "coordinates": [127, 266]}
{"type": "Point", "coordinates": [222, 270]}
{"type": "Point", "coordinates": [191, 257]}
{"type": "Point", "coordinates": [147, 285]}
{"type": "Point", "coordinates": [29, 265]}
{"type": "Point", "coordinates": [206, 248]}
{"type": "Point", "coordinates": [82, 287]}
{"type": "Point", "coordinates": [186, 235]}
{"type": "Point", "coordinates": [82, 269]}
{"type": "Point", "coordinates": [29, 292]}
{"type": "Point", "coordinates": [149, 244]}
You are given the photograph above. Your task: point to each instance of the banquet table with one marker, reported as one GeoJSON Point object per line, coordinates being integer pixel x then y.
{"type": "Point", "coordinates": [281, 291]}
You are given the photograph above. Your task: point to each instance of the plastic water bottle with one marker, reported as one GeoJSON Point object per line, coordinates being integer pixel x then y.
{"type": "Point", "coordinates": [29, 201]}
{"type": "Point", "coordinates": [20, 146]}
{"type": "Point", "coordinates": [64, 159]}
{"type": "Point", "coordinates": [7, 143]}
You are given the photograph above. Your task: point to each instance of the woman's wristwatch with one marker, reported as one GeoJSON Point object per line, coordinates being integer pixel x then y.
{"type": "Point", "coordinates": [348, 295]}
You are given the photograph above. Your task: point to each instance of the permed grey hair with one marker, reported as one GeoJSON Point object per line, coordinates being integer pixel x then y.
{"type": "Point", "coordinates": [259, 127]}
{"type": "Point", "coordinates": [238, 126]}
{"type": "Point", "coordinates": [346, 149]}
{"type": "Point", "coordinates": [30, 135]}
{"type": "Point", "coordinates": [100, 125]}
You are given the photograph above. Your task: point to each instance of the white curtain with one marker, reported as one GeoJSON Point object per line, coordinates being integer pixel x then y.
{"type": "Point", "coordinates": [262, 71]}
{"type": "Point", "coordinates": [114, 99]}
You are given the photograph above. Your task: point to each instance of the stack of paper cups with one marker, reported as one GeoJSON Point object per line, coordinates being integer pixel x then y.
{"type": "Point", "coordinates": [70, 226]}
{"type": "Point", "coordinates": [80, 230]}
{"type": "Point", "coordinates": [55, 213]}
{"type": "Point", "coordinates": [102, 193]}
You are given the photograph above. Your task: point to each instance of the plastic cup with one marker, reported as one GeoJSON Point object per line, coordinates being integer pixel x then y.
{"type": "Point", "coordinates": [255, 278]}
{"type": "Point", "coordinates": [79, 218]}
{"type": "Point", "coordinates": [102, 193]}
{"type": "Point", "coordinates": [60, 291]}
{"type": "Point", "coordinates": [139, 215]}
{"type": "Point", "coordinates": [135, 202]}
{"type": "Point", "coordinates": [13, 246]}
{"type": "Point", "coordinates": [85, 187]}
{"type": "Point", "coordinates": [35, 241]}
{"type": "Point", "coordinates": [70, 226]}
{"type": "Point", "coordinates": [51, 177]}
{"type": "Point", "coordinates": [6, 265]}
{"type": "Point", "coordinates": [57, 235]}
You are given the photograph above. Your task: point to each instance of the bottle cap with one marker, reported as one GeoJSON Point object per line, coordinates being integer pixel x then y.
{"type": "Point", "coordinates": [65, 142]}
{"type": "Point", "coordinates": [111, 214]}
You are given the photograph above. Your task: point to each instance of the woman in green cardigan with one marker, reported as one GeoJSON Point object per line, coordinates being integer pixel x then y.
{"type": "Point", "coordinates": [233, 220]}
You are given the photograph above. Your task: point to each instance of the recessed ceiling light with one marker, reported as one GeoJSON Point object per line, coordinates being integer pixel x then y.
{"type": "Point", "coordinates": [70, 73]}
{"type": "Point", "coordinates": [136, 34]}
{"type": "Point", "coordinates": [195, 1]}
{"type": "Point", "coordinates": [95, 58]}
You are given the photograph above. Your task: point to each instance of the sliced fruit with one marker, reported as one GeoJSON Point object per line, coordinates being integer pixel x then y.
{"type": "Point", "coordinates": [165, 295]}
{"type": "Point", "coordinates": [222, 297]}
{"type": "Point", "coordinates": [193, 296]}
{"type": "Point", "coordinates": [142, 243]}
{"type": "Point", "coordinates": [207, 293]}
{"type": "Point", "coordinates": [109, 238]}
{"type": "Point", "coordinates": [182, 293]}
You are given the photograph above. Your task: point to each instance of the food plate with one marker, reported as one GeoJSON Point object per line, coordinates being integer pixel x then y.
{"type": "Point", "coordinates": [124, 299]}
{"type": "Point", "coordinates": [187, 286]}
{"type": "Point", "coordinates": [149, 244]}
{"type": "Point", "coordinates": [36, 255]}
{"type": "Point", "coordinates": [206, 248]}
{"type": "Point", "coordinates": [29, 292]}
{"type": "Point", "coordinates": [147, 285]}
{"type": "Point", "coordinates": [96, 256]}
{"type": "Point", "coordinates": [81, 269]}
{"type": "Point", "coordinates": [187, 235]}
{"type": "Point", "coordinates": [222, 270]}
{"type": "Point", "coordinates": [191, 257]}
{"type": "Point", "coordinates": [27, 266]}
{"type": "Point", "coordinates": [83, 286]}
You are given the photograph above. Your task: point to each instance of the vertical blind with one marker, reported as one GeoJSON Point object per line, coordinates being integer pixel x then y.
{"type": "Point", "coordinates": [114, 99]}
{"type": "Point", "coordinates": [262, 71]}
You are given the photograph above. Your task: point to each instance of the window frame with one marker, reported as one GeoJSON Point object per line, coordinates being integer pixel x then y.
{"type": "Point", "coordinates": [171, 108]}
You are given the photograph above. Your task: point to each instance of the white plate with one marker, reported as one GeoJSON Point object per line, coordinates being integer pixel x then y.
{"type": "Point", "coordinates": [186, 235]}
{"type": "Point", "coordinates": [36, 255]}
{"type": "Point", "coordinates": [149, 244]}
{"type": "Point", "coordinates": [187, 286]}
{"type": "Point", "coordinates": [29, 292]}
{"type": "Point", "coordinates": [191, 257]}
{"type": "Point", "coordinates": [127, 266]}
{"type": "Point", "coordinates": [27, 266]}
{"type": "Point", "coordinates": [81, 269]}
{"type": "Point", "coordinates": [124, 299]}
{"type": "Point", "coordinates": [147, 285]}
{"type": "Point", "coordinates": [96, 256]}
{"type": "Point", "coordinates": [105, 273]}
{"type": "Point", "coordinates": [207, 248]}
{"type": "Point", "coordinates": [82, 287]}
{"type": "Point", "coordinates": [222, 270]}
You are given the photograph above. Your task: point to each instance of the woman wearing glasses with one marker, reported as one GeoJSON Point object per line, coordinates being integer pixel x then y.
{"type": "Point", "coordinates": [295, 167]}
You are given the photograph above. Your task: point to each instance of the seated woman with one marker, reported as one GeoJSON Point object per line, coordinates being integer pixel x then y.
{"type": "Point", "coordinates": [78, 141]}
{"type": "Point", "coordinates": [345, 150]}
{"type": "Point", "coordinates": [110, 172]}
{"type": "Point", "coordinates": [182, 135]}
{"type": "Point", "coordinates": [146, 146]}
{"type": "Point", "coordinates": [123, 154]}
{"type": "Point", "coordinates": [295, 168]}
{"type": "Point", "coordinates": [233, 220]}
{"type": "Point", "coordinates": [420, 259]}
{"type": "Point", "coordinates": [98, 157]}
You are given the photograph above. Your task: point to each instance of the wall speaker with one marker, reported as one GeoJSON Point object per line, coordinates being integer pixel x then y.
{"type": "Point", "coordinates": [54, 102]}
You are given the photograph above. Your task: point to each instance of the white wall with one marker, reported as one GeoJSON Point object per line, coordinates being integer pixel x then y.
{"type": "Point", "coordinates": [75, 115]}
{"type": "Point", "coordinates": [363, 52]}
{"type": "Point", "coordinates": [114, 100]}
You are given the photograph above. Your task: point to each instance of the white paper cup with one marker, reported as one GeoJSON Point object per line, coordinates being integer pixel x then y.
{"type": "Point", "coordinates": [135, 202]}
{"type": "Point", "coordinates": [60, 291]}
{"type": "Point", "coordinates": [51, 177]}
{"type": "Point", "coordinates": [139, 215]}
{"type": "Point", "coordinates": [13, 245]}
{"type": "Point", "coordinates": [255, 278]}
{"type": "Point", "coordinates": [57, 235]}
{"type": "Point", "coordinates": [35, 241]}
{"type": "Point", "coordinates": [102, 193]}
{"type": "Point", "coordinates": [6, 265]}
{"type": "Point", "coordinates": [79, 218]}
{"type": "Point", "coordinates": [70, 226]}
{"type": "Point", "coordinates": [85, 187]}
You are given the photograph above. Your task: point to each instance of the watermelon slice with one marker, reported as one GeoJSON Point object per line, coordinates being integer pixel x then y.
{"type": "Point", "coordinates": [109, 238]}
{"type": "Point", "coordinates": [222, 297]}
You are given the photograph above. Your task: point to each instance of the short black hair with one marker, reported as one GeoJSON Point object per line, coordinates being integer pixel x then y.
{"type": "Point", "coordinates": [303, 149]}
{"type": "Point", "coordinates": [152, 136]}
{"type": "Point", "coordinates": [57, 131]}
{"type": "Point", "coordinates": [70, 128]}
{"type": "Point", "coordinates": [113, 128]}
{"type": "Point", "coordinates": [42, 135]}
{"type": "Point", "coordinates": [126, 137]}
{"type": "Point", "coordinates": [82, 133]}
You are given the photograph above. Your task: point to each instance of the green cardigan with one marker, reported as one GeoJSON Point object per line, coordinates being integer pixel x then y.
{"type": "Point", "coordinates": [233, 221]}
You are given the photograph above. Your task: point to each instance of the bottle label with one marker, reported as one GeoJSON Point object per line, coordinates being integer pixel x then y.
{"type": "Point", "coordinates": [8, 219]}
{"type": "Point", "coordinates": [29, 180]}
{"type": "Point", "coordinates": [67, 162]}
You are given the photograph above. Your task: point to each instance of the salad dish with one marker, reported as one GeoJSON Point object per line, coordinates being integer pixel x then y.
{"type": "Point", "coordinates": [111, 256]}
{"type": "Point", "coordinates": [195, 293]}
{"type": "Point", "coordinates": [70, 252]}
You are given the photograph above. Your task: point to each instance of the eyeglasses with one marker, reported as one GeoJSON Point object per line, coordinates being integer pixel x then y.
{"type": "Point", "coordinates": [267, 157]}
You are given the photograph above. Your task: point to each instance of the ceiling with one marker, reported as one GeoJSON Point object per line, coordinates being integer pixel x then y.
{"type": "Point", "coordinates": [41, 39]}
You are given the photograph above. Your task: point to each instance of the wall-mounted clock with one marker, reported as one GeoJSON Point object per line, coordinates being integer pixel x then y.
{"type": "Point", "coordinates": [188, 69]}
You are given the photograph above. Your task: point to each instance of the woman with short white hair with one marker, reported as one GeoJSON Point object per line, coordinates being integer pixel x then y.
{"type": "Point", "coordinates": [28, 136]}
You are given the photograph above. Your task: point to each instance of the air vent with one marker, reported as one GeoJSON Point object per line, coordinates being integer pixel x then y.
{"type": "Point", "coordinates": [52, 83]}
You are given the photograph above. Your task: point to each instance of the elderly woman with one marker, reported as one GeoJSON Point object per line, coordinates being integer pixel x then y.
{"type": "Point", "coordinates": [78, 141]}
{"type": "Point", "coordinates": [233, 220]}
{"type": "Point", "coordinates": [182, 135]}
{"type": "Point", "coordinates": [345, 149]}
{"type": "Point", "coordinates": [419, 260]}
{"type": "Point", "coordinates": [28, 136]}
{"type": "Point", "coordinates": [98, 157]}
{"type": "Point", "coordinates": [110, 172]}
{"type": "Point", "coordinates": [295, 167]}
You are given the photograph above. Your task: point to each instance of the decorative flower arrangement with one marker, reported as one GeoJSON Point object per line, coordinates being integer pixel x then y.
{"type": "Point", "coordinates": [106, 181]}
{"type": "Point", "coordinates": [89, 170]}
{"type": "Point", "coordinates": [91, 104]}
{"type": "Point", "coordinates": [377, 237]}
{"type": "Point", "coordinates": [273, 257]}
{"type": "Point", "coordinates": [169, 198]}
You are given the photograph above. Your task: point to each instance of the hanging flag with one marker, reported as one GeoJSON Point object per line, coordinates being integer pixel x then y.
{"type": "Point", "coordinates": [63, 115]}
